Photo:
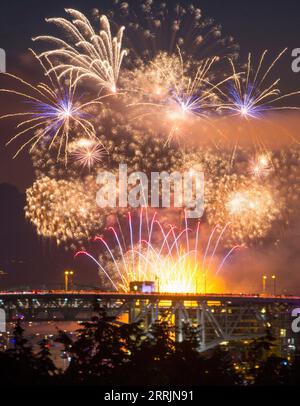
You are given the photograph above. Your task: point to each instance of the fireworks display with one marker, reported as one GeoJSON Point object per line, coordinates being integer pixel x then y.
{"type": "Point", "coordinates": [150, 85]}
{"type": "Point", "coordinates": [252, 93]}
{"type": "Point", "coordinates": [95, 56]}
{"type": "Point", "coordinates": [64, 210]}
{"type": "Point", "coordinates": [174, 92]}
{"type": "Point", "coordinates": [260, 166]}
{"type": "Point", "coordinates": [154, 26]}
{"type": "Point", "coordinates": [170, 257]}
{"type": "Point", "coordinates": [53, 113]}
{"type": "Point", "coordinates": [249, 207]}
{"type": "Point", "coordinates": [87, 152]}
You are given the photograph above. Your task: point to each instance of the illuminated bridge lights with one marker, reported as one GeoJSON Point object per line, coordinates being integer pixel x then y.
{"type": "Point", "coordinates": [221, 318]}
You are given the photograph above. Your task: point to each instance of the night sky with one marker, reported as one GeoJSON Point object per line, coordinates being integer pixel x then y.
{"type": "Point", "coordinates": [255, 24]}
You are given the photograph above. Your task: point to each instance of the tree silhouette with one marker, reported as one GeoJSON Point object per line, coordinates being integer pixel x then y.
{"type": "Point", "coordinates": [44, 362]}
{"type": "Point", "coordinates": [105, 352]}
{"type": "Point", "coordinates": [18, 363]}
{"type": "Point", "coordinates": [96, 352]}
{"type": "Point", "coordinates": [274, 371]}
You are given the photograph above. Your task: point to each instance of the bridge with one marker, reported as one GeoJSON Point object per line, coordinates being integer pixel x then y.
{"type": "Point", "coordinates": [221, 318]}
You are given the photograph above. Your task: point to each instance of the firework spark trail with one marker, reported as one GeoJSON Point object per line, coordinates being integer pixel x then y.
{"type": "Point", "coordinates": [175, 91]}
{"type": "Point", "coordinates": [249, 96]}
{"type": "Point", "coordinates": [218, 241]}
{"type": "Point", "coordinates": [192, 94]}
{"type": "Point", "coordinates": [261, 166]}
{"type": "Point", "coordinates": [54, 111]}
{"type": "Point", "coordinates": [120, 248]}
{"type": "Point", "coordinates": [112, 256]}
{"type": "Point", "coordinates": [95, 56]}
{"type": "Point", "coordinates": [171, 84]}
{"type": "Point", "coordinates": [87, 152]}
{"type": "Point", "coordinates": [208, 245]}
{"type": "Point", "coordinates": [251, 207]}
{"type": "Point", "coordinates": [226, 257]}
{"type": "Point", "coordinates": [99, 265]}
{"type": "Point", "coordinates": [154, 26]}
{"type": "Point", "coordinates": [167, 258]}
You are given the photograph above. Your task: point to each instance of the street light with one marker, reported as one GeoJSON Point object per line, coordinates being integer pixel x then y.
{"type": "Point", "coordinates": [274, 284]}
{"type": "Point", "coordinates": [68, 274]}
{"type": "Point", "coordinates": [264, 281]}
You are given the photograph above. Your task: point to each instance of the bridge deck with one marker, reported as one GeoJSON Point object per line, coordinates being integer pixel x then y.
{"type": "Point", "coordinates": [233, 298]}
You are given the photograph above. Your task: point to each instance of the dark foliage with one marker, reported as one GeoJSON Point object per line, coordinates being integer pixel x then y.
{"type": "Point", "coordinates": [107, 353]}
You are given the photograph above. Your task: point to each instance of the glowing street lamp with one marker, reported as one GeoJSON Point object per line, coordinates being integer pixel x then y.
{"type": "Point", "coordinates": [264, 281]}
{"type": "Point", "coordinates": [68, 274]}
{"type": "Point", "coordinates": [274, 284]}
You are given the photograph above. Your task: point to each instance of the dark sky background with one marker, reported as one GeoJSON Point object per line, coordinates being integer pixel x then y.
{"type": "Point", "coordinates": [255, 24]}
